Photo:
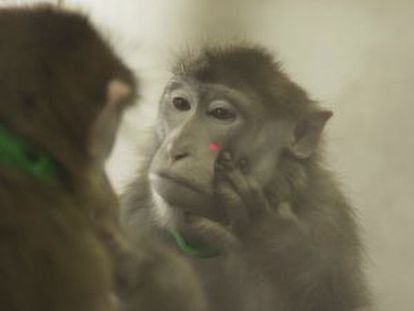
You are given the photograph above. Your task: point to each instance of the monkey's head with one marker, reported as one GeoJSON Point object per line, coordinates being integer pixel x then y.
{"type": "Point", "coordinates": [234, 99]}
{"type": "Point", "coordinates": [63, 92]}
{"type": "Point", "coordinates": [62, 88]}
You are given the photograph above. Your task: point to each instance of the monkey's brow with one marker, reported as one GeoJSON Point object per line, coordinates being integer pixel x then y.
{"type": "Point", "coordinates": [231, 95]}
{"type": "Point", "coordinates": [173, 85]}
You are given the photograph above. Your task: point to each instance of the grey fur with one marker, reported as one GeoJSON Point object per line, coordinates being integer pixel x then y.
{"type": "Point", "coordinates": [298, 247]}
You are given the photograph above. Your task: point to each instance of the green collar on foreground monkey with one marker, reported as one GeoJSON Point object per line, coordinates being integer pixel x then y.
{"type": "Point", "coordinates": [18, 153]}
{"type": "Point", "coordinates": [193, 251]}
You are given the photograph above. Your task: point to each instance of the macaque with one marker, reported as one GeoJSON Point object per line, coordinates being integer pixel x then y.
{"type": "Point", "coordinates": [235, 184]}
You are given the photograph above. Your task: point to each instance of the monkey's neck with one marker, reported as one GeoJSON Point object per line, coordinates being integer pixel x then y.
{"type": "Point", "coordinates": [18, 153]}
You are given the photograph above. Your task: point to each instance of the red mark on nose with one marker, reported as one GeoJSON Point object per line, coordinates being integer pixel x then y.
{"type": "Point", "coordinates": [213, 147]}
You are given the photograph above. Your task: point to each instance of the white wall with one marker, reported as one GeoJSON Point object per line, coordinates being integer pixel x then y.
{"type": "Point", "coordinates": [356, 57]}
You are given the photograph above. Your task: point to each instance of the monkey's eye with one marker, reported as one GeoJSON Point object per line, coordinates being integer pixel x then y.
{"type": "Point", "coordinates": [181, 104]}
{"type": "Point", "coordinates": [221, 114]}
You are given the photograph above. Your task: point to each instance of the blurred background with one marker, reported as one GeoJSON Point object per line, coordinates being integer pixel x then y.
{"type": "Point", "coordinates": [355, 57]}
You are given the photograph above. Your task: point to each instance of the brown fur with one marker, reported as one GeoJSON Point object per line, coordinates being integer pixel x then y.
{"type": "Point", "coordinates": [55, 69]}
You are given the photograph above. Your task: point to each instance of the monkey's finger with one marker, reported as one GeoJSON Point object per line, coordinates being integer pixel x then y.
{"type": "Point", "coordinates": [259, 203]}
{"type": "Point", "coordinates": [221, 167]}
{"type": "Point", "coordinates": [225, 160]}
{"type": "Point", "coordinates": [226, 156]}
{"type": "Point", "coordinates": [250, 191]}
{"type": "Point", "coordinates": [235, 209]}
{"type": "Point", "coordinates": [238, 182]}
{"type": "Point", "coordinates": [215, 232]}
{"type": "Point", "coordinates": [244, 166]}
{"type": "Point", "coordinates": [226, 193]}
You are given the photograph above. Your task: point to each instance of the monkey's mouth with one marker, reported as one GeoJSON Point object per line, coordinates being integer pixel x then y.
{"type": "Point", "coordinates": [181, 181]}
{"type": "Point", "coordinates": [181, 194]}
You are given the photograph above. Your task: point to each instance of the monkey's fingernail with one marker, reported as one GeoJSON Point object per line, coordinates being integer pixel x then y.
{"type": "Point", "coordinates": [226, 156]}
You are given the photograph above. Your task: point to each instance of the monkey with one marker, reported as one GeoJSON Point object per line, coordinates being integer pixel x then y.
{"type": "Point", "coordinates": [236, 184]}
{"type": "Point", "coordinates": [63, 92]}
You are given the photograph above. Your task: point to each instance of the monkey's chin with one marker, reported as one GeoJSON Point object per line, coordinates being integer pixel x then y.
{"type": "Point", "coordinates": [181, 195]}
{"type": "Point", "coordinates": [195, 226]}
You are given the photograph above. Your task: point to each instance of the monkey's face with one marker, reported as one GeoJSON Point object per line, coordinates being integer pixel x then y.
{"type": "Point", "coordinates": [196, 122]}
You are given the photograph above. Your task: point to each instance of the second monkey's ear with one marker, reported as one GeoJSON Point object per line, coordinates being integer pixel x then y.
{"type": "Point", "coordinates": [118, 96]}
{"type": "Point", "coordinates": [307, 133]}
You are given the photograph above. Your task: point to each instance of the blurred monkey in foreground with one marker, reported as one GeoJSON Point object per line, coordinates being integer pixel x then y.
{"type": "Point", "coordinates": [63, 92]}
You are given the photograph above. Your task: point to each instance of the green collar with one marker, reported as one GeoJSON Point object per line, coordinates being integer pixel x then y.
{"type": "Point", "coordinates": [18, 153]}
{"type": "Point", "coordinates": [202, 252]}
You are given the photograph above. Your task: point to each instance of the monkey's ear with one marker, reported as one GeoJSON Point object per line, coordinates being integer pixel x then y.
{"type": "Point", "coordinates": [105, 127]}
{"type": "Point", "coordinates": [307, 133]}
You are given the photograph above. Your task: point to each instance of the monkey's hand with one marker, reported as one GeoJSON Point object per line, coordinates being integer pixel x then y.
{"type": "Point", "coordinates": [251, 213]}
{"type": "Point", "coordinates": [241, 196]}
